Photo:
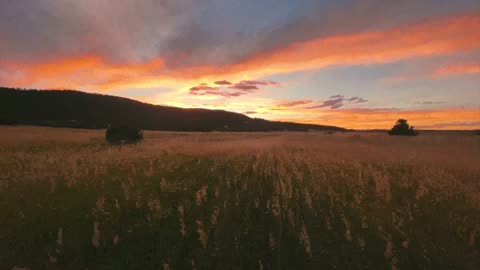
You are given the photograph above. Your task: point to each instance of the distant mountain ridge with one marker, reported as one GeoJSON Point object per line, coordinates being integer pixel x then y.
{"type": "Point", "coordinates": [69, 108]}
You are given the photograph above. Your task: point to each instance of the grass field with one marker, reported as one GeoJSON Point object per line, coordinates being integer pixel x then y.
{"type": "Point", "coordinates": [238, 201]}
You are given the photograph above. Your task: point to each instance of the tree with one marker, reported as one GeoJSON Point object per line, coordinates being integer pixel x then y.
{"type": "Point", "coordinates": [122, 135]}
{"type": "Point", "coordinates": [402, 128]}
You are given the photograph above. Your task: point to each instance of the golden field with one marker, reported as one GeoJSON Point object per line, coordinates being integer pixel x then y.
{"type": "Point", "coordinates": [239, 201]}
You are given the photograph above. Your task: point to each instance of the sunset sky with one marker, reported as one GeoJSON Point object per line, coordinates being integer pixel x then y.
{"type": "Point", "coordinates": [356, 64]}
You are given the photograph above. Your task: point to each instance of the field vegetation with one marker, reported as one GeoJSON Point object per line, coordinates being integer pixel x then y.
{"type": "Point", "coordinates": [213, 200]}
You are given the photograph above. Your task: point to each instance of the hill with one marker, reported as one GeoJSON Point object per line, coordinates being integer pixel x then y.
{"type": "Point", "coordinates": [68, 108]}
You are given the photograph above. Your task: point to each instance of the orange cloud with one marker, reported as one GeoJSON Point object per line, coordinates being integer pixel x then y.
{"type": "Point", "coordinates": [437, 37]}
{"type": "Point", "coordinates": [445, 36]}
{"type": "Point", "coordinates": [84, 71]}
{"type": "Point", "coordinates": [457, 68]}
{"type": "Point", "coordinates": [294, 103]}
{"type": "Point", "coordinates": [384, 119]}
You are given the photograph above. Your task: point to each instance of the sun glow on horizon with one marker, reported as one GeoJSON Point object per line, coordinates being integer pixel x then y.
{"type": "Point", "coordinates": [240, 86]}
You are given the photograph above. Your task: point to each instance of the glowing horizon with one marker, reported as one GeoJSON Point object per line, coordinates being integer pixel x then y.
{"type": "Point", "coordinates": [312, 62]}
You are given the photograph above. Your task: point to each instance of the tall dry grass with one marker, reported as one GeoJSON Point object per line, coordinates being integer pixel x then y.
{"type": "Point", "coordinates": [239, 200]}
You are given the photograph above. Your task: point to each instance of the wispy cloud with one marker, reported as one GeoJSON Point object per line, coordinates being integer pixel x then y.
{"type": "Point", "coordinates": [250, 82]}
{"type": "Point", "coordinates": [225, 88]}
{"type": "Point", "coordinates": [425, 39]}
{"type": "Point", "coordinates": [437, 71]}
{"type": "Point", "coordinates": [224, 82]}
{"type": "Point", "coordinates": [456, 69]}
{"type": "Point", "coordinates": [430, 102]}
{"type": "Point", "coordinates": [203, 87]}
{"type": "Point", "coordinates": [294, 103]}
{"type": "Point", "coordinates": [331, 103]}
{"type": "Point", "coordinates": [337, 101]}
{"type": "Point", "coordinates": [244, 87]}
{"type": "Point", "coordinates": [454, 125]}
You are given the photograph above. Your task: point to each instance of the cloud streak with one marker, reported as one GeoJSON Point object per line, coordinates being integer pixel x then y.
{"type": "Point", "coordinates": [225, 89]}
{"type": "Point", "coordinates": [456, 69]}
{"type": "Point", "coordinates": [244, 87]}
{"type": "Point", "coordinates": [337, 101]}
{"type": "Point", "coordinates": [454, 125]}
{"type": "Point", "coordinates": [224, 82]}
{"type": "Point", "coordinates": [294, 103]}
{"type": "Point", "coordinates": [430, 102]}
{"type": "Point", "coordinates": [436, 37]}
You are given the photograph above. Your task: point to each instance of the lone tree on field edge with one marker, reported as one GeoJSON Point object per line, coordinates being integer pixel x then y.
{"type": "Point", "coordinates": [121, 135]}
{"type": "Point", "coordinates": [402, 128]}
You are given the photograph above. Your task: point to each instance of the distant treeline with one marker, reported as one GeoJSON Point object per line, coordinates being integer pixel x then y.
{"type": "Point", "coordinates": [7, 122]}
{"type": "Point", "coordinates": [75, 109]}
